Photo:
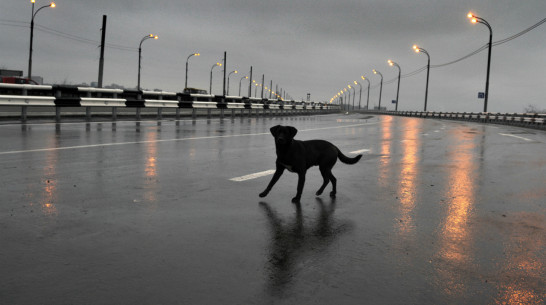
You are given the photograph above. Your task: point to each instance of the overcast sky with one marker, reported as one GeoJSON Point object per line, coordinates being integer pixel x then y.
{"type": "Point", "coordinates": [304, 46]}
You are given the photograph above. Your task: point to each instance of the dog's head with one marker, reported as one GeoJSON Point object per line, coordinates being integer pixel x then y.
{"type": "Point", "coordinates": [283, 134]}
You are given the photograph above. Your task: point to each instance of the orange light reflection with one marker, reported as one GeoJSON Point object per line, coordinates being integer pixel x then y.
{"type": "Point", "coordinates": [455, 238]}
{"type": "Point", "coordinates": [408, 174]}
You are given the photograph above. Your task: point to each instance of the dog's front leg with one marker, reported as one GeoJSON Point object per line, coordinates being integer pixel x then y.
{"type": "Point", "coordinates": [301, 183]}
{"type": "Point", "coordinates": [276, 176]}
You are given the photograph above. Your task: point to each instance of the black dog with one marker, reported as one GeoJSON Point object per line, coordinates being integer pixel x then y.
{"type": "Point", "coordinates": [299, 156]}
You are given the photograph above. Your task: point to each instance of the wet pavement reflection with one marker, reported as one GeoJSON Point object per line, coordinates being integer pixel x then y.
{"type": "Point", "coordinates": [436, 212]}
{"type": "Point", "coordinates": [297, 242]}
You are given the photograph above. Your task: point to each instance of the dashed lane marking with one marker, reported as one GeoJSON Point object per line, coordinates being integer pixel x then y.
{"type": "Point", "coordinates": [514, 136]}
{"type": "Point", "coordinates": [170, 140]}
{"type": "Point", "coordinates": [253, 176]}
{"type": "Point", "coordinates": [359, 151]}
{"type": "Point", "coordinates": [272, 171]}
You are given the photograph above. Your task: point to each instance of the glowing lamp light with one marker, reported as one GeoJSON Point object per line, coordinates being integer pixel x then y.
{"type": "Point", "coordinates": [52, 4]}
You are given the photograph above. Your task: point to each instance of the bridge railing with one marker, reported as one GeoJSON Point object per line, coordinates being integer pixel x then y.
{"type": "Point", "coordinates": [41, 100]}
{"type": "Point", "coordinates": [533, 120]}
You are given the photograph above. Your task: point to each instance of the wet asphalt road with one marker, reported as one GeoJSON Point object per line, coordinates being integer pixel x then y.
{"type": "Point", "coordinates": [436, 212]}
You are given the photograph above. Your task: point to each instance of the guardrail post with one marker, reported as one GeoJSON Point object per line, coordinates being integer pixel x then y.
{"type": "Point", "coordinates": [159, 113]}
{"type": "Point", "coordinates": [178, 113]}
{"type": "Point", "coordinates": [138, 113]}
{"type": "Point", "coordinates": [88, 113]}
{"type": "Point", "coordinates": [24, 113]}
{"type": "Point", "coordinates": [114, 113]}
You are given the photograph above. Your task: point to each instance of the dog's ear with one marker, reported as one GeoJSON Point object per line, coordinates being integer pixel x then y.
{"type": "Point", "coordinates": [293, 131]}
{"type": "Point", "coordinates": [275, 130]}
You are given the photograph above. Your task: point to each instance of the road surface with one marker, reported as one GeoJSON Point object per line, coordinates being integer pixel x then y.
{"type": "Point", "coordinates": [167, 212]}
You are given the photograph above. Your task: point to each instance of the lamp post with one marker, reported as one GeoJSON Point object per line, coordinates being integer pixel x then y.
{"type": "Point", "coordinates": [150, 36]}
{"type": "Point", "coordinates": [186, 82]}
{"type": "Point", "coordinates": [476, 19]}
{"type": "Point", "coordinates": [349, 98]}
{"type": "Point", "coordinates": [52, 4]}
{"type": "Point", "coordinates": [368, 100]}
{"type": "Point", "coordinates": [227, 91]}
{"type": "Point", "coordinates": [418, 50]}
{"type": "Point", "coordinates": [360, 96]}
{"type": "Point", "coordinates": [244, 77]}
{"type": "Point", "coordinates": [354, 94]}
{"type": "Point", "coordinates": [380, 86]}
{"type": "Point", "coordinates": [392, 63]}
{"type": "Point", "coordinates": [213, 66]}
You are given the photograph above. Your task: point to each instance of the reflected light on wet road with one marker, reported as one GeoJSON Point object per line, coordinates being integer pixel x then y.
{"type": "Point", "coordinates": [47, 200]}
{"type": "Point", "coordinates": [408, 175]}
{"type": "Point", "coordinates": [455, 238]}
{"type": "Point", "coordinates": [150, 171]}
{"type": "Point", "coordinates": [520, 276]}
{"type": "Point", "coordinates": [386, 145]}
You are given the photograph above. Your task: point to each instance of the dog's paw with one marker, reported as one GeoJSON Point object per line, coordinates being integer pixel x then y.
{"type": "Point", "coordinates": [332, 194]}
{"type": "Point", "coordinates": [263, 194]}
{"type": "Point", "coordinates": [318, 193]}
{"type": "Point", "coordinates": [296, 200]}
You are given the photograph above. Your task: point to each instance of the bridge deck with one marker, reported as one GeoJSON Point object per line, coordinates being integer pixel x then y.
{"type": "Point", "coordinates": [436, 212]}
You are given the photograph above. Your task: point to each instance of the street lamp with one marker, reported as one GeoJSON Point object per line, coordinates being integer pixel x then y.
{"type": "Point", "coordinates": [360, 96]}
{"type": "Point", "coordinates": [227, 93]}
{"type": "Point", "coordinates": [392, 63]}
{"type": "Point", "coordinates": [244, 77]}
{"type": "Point", "coordinates": [52, 4]}
{"type": "Point", "coordinates": [354, 94]}
{"type": "Point", "coordinates": [150, 36]}
{"type": "Point", "coordinates": [380, 86]}
{"type": "Point", "coordinates": [186, 82]}
{"type": "Point", "coordinates": [213, 66]}
{"type": "Point", "coordinates": [476, 19]}
{"type": "Point", "coordinates": [349, 98]}
{"type": "Point", "coordinates": [418, 50]}
{"type": "Point", "coordinates": [368, 100]}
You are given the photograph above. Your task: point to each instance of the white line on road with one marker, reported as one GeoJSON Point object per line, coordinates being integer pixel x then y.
{"type": "Point", "coordinates": [514, 136]}
{"type": "Point", "coordinates": [359, 151]}
{"type": "Point", "coordinates": [253, 176]}
{"type": "Point", "coordinates": [169, 140]}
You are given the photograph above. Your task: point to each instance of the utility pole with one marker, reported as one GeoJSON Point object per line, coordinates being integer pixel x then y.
{"type": "Point", "coordinates": [101, 60]}
{"type": "Point", "coordinates": [263, 79]}
{"type": "Point", "coordinates": [250, 83]}
{"type": "Point", "coordinates": [225, 69]}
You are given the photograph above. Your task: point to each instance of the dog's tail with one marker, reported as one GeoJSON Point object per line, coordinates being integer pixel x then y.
{"type": "Point", "coordinates": [343, 158]}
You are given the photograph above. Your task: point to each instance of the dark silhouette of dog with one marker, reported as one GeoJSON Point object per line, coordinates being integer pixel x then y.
{"type": "Point", "coordinates": [298, 156]}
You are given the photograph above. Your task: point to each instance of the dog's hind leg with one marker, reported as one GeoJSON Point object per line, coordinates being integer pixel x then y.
{"type": "Point", "coordinates": [326, 176]}
{"type": "Point", "coordinates": [334, 184]}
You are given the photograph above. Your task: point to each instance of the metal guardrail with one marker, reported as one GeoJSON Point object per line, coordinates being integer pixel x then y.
{"type": "Point", "coordinates": [25, 97]}
{"type": "Point", "coordinates": [531, 120]}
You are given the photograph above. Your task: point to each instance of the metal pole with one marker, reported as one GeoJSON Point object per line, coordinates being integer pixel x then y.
{"type": "Point", "coordinates": [225, 69]}
{"type": "Point", "coordinates": [139, 58]}
{"type": "Point", "coordinates": [250, 83]}
{"type": "Point", "coordinates": [263, 79]}
{"type": "Point", "coordinates": [488, 67]}
{"type": "Point", "coordinates": [428, 72]}
{"type": "Point", "coordinates": [398, 87]}
{"type": "Point", "coordinates": [30, 51]}
{"type": "Point", "coordinates": [101, 60]}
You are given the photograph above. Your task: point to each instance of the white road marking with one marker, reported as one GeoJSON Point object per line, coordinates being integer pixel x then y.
{"type": "Point", "coordinates": [169, 140]}
{"type": "Point", "coordinates": [514, 136]}
{"type": "Point", "coordinates": [253, 176]}
{"type": "Point", "coordinates": [359, 151]}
